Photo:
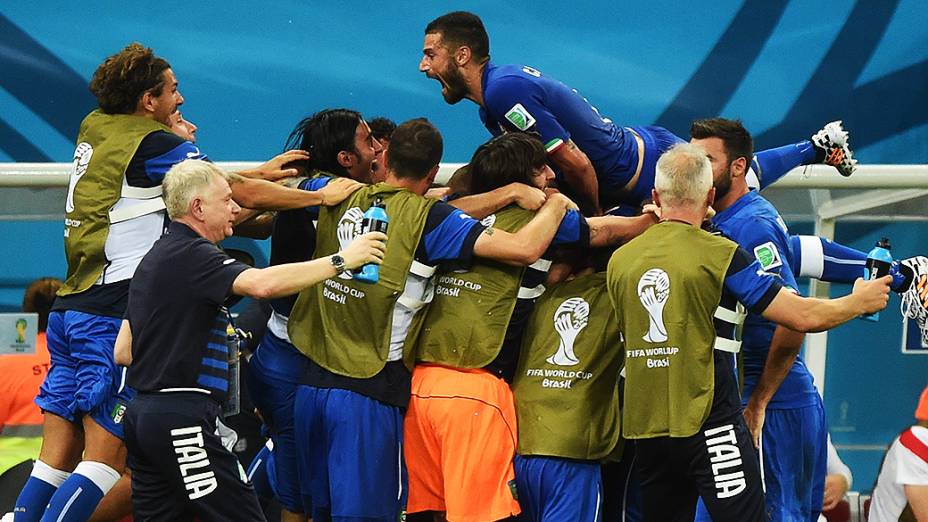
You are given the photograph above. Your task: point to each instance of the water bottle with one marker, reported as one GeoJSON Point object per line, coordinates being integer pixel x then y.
{"type": "Point", "coordinates": [375, 220]}
{"type": "Point", "coordinates": [878, 262]}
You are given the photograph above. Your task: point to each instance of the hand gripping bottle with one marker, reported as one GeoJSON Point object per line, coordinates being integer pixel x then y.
{"type": "Point", "coordinates": [375, 220]}
{"type": "Point", "coordinates": [878, 262]}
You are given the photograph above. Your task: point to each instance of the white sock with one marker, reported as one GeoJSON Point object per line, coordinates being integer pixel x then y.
{"type": "Point", "coordinates": [103, 476]}
{"type": "Point", "coordinates": [46, 473]}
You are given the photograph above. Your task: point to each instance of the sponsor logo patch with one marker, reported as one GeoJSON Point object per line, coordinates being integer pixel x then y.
{"type": "Point", "coordinates": [768, 256]}
{"type": "Point", "coordinates": [520, 117]}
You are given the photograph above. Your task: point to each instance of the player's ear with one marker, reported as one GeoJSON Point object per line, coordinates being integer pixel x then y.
{"type": "Point", "coordinates": [345, 158]}
{"type": "Point", "coordinates": [739, 167]}
{"type": "Point", "coordinates": [462, 55]}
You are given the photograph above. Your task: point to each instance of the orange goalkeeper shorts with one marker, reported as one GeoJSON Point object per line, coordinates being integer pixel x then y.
{"type": "Point", "coordinates": [459, 443]}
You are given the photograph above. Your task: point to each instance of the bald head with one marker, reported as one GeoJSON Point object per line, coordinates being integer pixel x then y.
{"type": "Point", "coordinates": [684, 177]}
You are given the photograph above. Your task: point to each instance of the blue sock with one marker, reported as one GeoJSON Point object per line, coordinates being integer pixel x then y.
{"type": "Point", "coordinates": [772, 164]}
{"type": "Point", "coordinates": [78, 497]}
{"type": "Point", "coordinates": [42, 483]}
{"type": "Point", "coordinates": [32, 500]}
{"type": "Point", "coordinates": [826, 260]}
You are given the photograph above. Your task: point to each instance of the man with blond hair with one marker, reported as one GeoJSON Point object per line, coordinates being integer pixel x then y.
{"type": "Point", "coordinates": [174, 338]}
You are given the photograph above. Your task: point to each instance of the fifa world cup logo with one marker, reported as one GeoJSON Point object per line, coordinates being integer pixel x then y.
{"type": "Point", "coordinates": [82, 155]}
{"type": "Point", "coordinates": [349, 227]}
{"type": "Point", "coordinates": [569, 318]}
{"type": "Point", "coordinates": [653, 290]}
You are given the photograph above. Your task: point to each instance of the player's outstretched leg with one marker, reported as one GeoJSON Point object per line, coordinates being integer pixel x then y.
{"type": "Point", "coordinates": [829, 146]}
{"type": "Point", "coordinates": [833, 140]}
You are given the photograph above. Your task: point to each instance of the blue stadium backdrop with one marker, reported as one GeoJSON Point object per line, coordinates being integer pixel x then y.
{"type": "Point", "coordinates": [249, 71]}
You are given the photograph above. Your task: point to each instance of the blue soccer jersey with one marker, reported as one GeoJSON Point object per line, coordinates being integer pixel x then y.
{"type": "Point", "coordinates": [449, 236]}
{"type": "Point", "coordinates": [520, 98]}
{"type": "Point", "coordinates": [756, 226]}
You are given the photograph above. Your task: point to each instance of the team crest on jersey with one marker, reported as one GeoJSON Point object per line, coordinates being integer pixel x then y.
{"type": "Point", "coordinates": [767, 255]}
{"type": "Point", "coordinates": [349, 227]}
{"type": "Point", "coordinates": [119, 411]}
{"type": "Point", "coordinates": [520, 117]}
{"type": "Point", "coordinates": [569, 319]}
{"type": "Point", "coordinates": [82, 155]}
{"type": "Point", "coordinates": [653, 291]}
{"type": "Point", "coordinates": [488, 221]}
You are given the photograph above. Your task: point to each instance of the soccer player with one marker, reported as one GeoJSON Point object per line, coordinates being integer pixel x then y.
{"type": "Point", "coordinates": [568, 408]}
{"type": "Point", "coordinates": [113, 215]}
{"type": "Point", "coordinates": [602, 164]}
{"type": "Point", "coordinates": [342, 147]}
{"type": "Point", "coordinates": [783, 410]}
{"type": "Point", "coordinates": [681, 401]}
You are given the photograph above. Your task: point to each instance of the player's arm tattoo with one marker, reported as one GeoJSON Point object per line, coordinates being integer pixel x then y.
{"type": "Point", "coordinates": [488, 231]}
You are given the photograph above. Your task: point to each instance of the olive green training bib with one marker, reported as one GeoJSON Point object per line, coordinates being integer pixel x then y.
{"type": "Point", "coordinates": [105, 145]}
{"type": "Point", "coordinates": [466, 323]}
{"type": "Point", "coordinates": [344, 325]}
{"type": "Point", "coordinates": [566, 386]}
{"type": "Point", "coordinates": [665, 286]}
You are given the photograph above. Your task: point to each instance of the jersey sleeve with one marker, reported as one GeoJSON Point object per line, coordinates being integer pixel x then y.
{"type": "Point", "coordinates": [770, 247]}
{"type": "Point", "coordinates": [163, 151]}
{"type": "Point", "coordinates": [518, 103]}
{"type": "Point", "coordinates": [312, 185]}
{"type": "Point", "coordinates": [449, 236]}
{"type": "Point", "coordinates": [213, 272]}
{"type": "Point", "coordinates": [573, 230]}
{"type": "Point", "coordinates": [749, 283]}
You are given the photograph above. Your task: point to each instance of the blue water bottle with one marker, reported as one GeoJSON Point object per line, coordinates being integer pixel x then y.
{"type": "Point", "coordinates": [375, 220]}
{"type": "Point", "coordinates": [878, 262]}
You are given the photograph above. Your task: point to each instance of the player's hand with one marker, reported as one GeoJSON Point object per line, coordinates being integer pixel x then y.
{"type": "Point", "coordinates": [754, 418]}
{"type": "Point", "coordinates": [337, 190]}
{"type": "Point", "coordinates": [366, 248]}
{"type": "Point", "coordinates": [529, 198]}
{"type": "Point", "coordinates": [872, 295]}
{"type": "Point", "coordinates": [273, 169]}
{"type": "Point", "coordinates": [835, 488]}
{"type": "Point", "coordinates": [652, 210]}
